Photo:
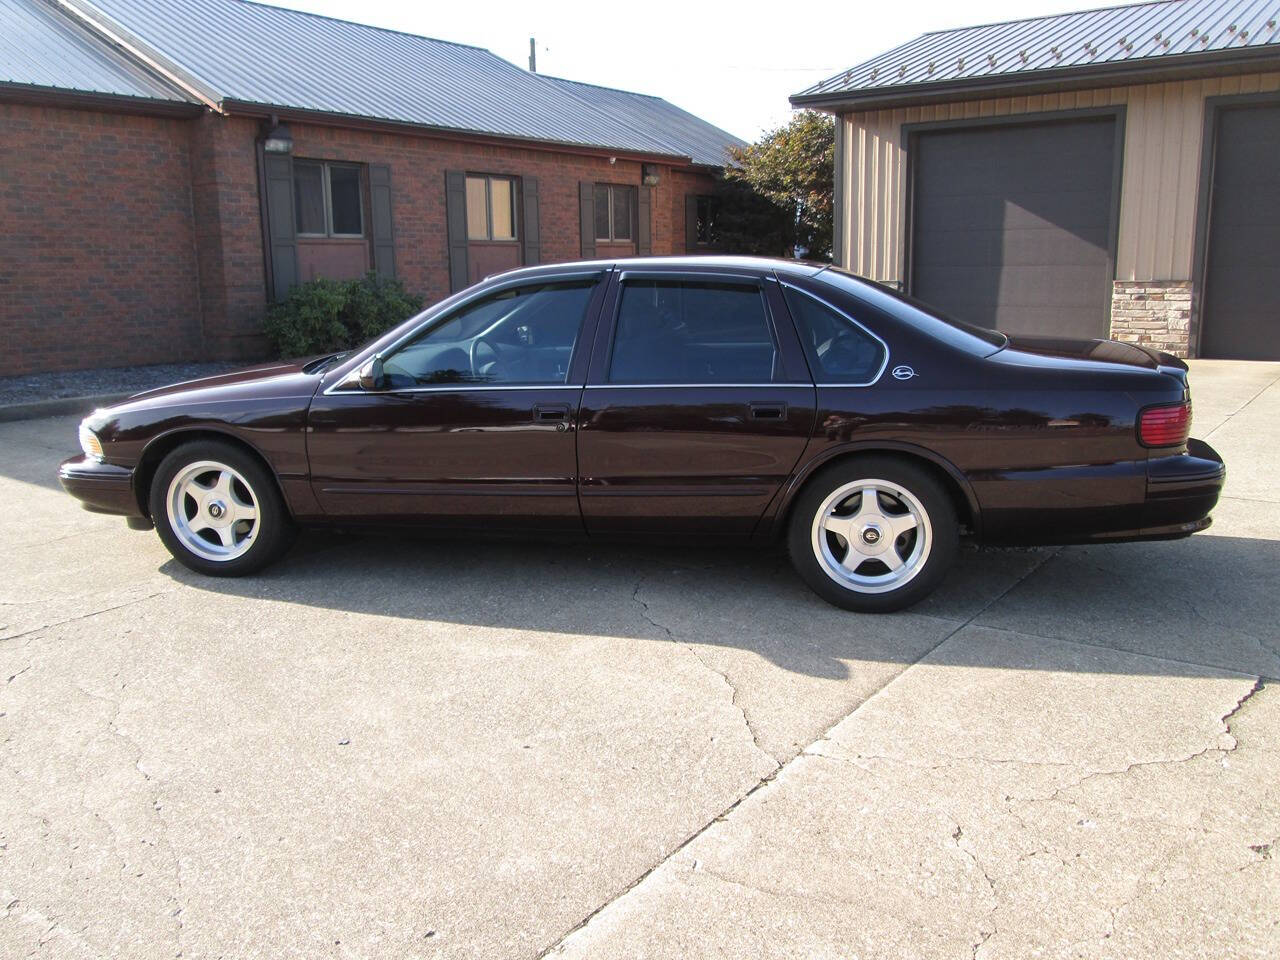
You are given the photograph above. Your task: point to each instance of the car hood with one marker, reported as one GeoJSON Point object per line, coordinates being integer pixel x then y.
{"type": "Point", "coordinates": [265, 376]}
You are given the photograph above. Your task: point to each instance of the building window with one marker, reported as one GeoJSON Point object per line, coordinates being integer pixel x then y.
{"type": "Point", "coordinates": [328, 199]}
{"type": "Point", "coordinates": [708, 215]}
{"type": "Point", "coordinates": [491, 210]}
{"type": "Point", "coordinates": [615, 213]}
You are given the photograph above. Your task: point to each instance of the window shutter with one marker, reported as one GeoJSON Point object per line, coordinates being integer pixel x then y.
{"type": "Point", "coordinates": [690, 222]}
{"type": "Point", "coordinates": [587, 214]}
{"type": "Point", "coordinates": [529, 198]}
{"type": "Point", "coordinates": [455, 206]}
{"type": "Point", "coordinates": [278, 171]}
{"type": "Point", "coordinates": [384, 247]}
{"type": "Point", "coordinates": [644, 223]}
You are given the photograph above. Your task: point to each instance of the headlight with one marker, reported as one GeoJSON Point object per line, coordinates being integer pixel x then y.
{"type": "Point", "coordinates": [89, 441]}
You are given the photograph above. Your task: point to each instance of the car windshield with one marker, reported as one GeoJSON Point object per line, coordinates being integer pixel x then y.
{"type": "Point", "coordinates": [982, 340]}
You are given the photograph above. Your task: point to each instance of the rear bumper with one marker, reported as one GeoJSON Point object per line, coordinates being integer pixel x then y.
{"type": "Point", "coordinates": [100, 487]}
{"type": "Point", "coordinates": [1163, 498]}
{"type": "Point", "coordinates": [1184, 488]}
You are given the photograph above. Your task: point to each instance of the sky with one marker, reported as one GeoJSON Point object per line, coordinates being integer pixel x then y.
{"type": "Point", "coordinates": [734, 64]}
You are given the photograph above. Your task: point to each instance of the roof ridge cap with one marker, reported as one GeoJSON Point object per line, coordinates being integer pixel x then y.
{"type": "Point", "coordinates": [108, 30]}
{"type": "Point", "coordinates": [602, 86]}
{"type": "Point", "coordinates": [368, 26]}
{"type": "Point", "coordinates": [1046, 16]}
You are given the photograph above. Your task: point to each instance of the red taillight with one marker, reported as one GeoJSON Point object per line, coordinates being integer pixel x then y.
{"type": "Point", "coordinates": [1165, 426]}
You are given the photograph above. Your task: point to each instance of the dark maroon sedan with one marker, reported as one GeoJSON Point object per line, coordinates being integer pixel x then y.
{"type": "Point", "coordinates": [691, 397]}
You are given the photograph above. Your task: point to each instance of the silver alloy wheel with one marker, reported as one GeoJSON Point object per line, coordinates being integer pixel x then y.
{"type": "Point", "coordinates": [212, 510]}
{"type": "Point", "coordinates": [872, 536]}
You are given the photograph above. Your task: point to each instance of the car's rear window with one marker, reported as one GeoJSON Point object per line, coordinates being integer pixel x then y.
{"type": "Point", "coordinates": [967, 336]}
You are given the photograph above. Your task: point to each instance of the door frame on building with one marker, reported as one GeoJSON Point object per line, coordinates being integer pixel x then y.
{"type": "Point", "coordinates": [909, 138]}
{"type": "Point", "coordinates": [1213, 108]}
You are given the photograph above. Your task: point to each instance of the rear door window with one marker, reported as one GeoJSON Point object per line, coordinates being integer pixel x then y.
{"type": "Point", "coordinates": [692, 332]}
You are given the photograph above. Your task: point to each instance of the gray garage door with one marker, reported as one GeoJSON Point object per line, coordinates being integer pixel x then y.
{"type": "Point", "coordinates": [1013, 225]}
{"type": "Point", "coordinates": [1241, 319]}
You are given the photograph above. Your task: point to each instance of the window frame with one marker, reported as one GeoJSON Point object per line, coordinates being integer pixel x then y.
{"type": "Point", "coordinates": [346, 382]}
{"type": "Point", "coordinates": [633, 195]}
{"type": "Point", "coordinates": [709, 199]}
{"type": "Point", "coordinates": [488, 179]}
{"type": "Point", "coordinates": [602, 362]}
{"type": "Point", "coordinates": [844, 314]}
{"type": "Point", "coordinates": [326, 190]}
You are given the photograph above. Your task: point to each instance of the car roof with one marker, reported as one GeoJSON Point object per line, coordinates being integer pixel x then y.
{"type": "Point", "coordinates": [707, 263]}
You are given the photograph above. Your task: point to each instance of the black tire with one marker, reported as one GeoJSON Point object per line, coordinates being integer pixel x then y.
{"type": "Point", "coordinates": [272, 529]}
{"type": "Point", "coordinates": [941, 528]}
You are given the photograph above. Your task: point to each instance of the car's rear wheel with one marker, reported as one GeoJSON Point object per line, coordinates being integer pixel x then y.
{"type": "Point", "coordinates": [873, 533]}
{"type": "Point", "coordinates": [218, 510]}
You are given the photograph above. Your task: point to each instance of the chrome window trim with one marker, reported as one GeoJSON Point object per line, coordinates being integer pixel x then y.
{"type": "Point", "coordinates": [861, 326]}
{"type": "Point", "coordinates": [443, 316]}
{"type": "Point", "coordinates": [691, 275]}
{"type": "Point", "coordinates": [803, 384]}
{"type": "Point", "coordinates": [456, 387]}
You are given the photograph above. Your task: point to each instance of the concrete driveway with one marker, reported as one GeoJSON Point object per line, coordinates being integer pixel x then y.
{"type": "Point", "coordinates": [387, 749]}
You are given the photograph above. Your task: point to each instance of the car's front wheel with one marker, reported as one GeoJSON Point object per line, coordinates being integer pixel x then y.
{"type": "Point", "coordinates": [873, 533]}
{"type": "Point", "coordinates": [217, 509]}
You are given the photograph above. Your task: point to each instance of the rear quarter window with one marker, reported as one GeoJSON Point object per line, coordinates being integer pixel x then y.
{"type": "Point", "coordinates": [838, 349]}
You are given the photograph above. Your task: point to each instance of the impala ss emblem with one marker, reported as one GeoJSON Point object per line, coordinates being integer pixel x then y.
{"type": "Point", "coordinates": [903, 372]}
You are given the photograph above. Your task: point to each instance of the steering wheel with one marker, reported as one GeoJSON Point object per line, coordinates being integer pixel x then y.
{"type": "Point", "coordinates": [482, 353]}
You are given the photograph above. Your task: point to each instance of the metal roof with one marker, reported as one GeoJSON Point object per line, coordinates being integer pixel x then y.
{"type": "Point", "coordinates": [249, 53]}
{"type": "Point", "coordinates": [678, 129]}
{"type": "Point", "coordinates": [41, 48]}
{"type": "Point", "coordinates": [1147, 35]}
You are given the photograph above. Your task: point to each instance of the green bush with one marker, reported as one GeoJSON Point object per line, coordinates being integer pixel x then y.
{"type": "Point", "coordinates": [324, 315]}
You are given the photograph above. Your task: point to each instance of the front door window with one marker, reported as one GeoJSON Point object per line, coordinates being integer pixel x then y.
{"type": "Point", "coordinates": [523, 335]}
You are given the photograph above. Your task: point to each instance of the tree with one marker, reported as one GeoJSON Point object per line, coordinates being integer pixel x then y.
{"type": "Point", "coordinates": [793, 168]}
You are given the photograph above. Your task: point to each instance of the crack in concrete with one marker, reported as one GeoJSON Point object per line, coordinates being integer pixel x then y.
{"type": "Point", "coordinates": [83, 616]}
{"type": "Point", "coordinates": [557, 946]}
{"type": "Point", "coordinates": [733, 690]}
{"type": "Point", "coordinates": [155, 804]}
{"type": "Point", "coordinates": [1225, 720]}
{"type": "Point", "coordinates": [946, 762]}
{"type": "Point", "coordinates": [957, 835]}
{"type": "Point", "coordinates": [773, 892]}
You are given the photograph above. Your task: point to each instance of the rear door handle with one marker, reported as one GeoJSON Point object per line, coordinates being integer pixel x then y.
{"type": "Point", "coordinates": [550, 411]}
{"type": "Point", "coordinates": [768, 411]}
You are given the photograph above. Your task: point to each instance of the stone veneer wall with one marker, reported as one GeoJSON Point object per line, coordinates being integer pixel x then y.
{"type": "Point", "coordinates": [1154, 313]}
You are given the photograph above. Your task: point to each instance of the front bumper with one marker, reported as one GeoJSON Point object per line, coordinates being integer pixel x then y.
{"type": "Point", "coordinates": [100, 487]}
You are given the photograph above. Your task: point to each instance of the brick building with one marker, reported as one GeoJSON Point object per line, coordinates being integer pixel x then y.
{"type": "Point", "coordinates": [1111, 172]}
{"type": "Point", "coordinates": [167, 169]}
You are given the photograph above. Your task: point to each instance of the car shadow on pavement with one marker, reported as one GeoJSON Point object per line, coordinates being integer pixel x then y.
{"type": "Point", "coordinates": [1205, 603]}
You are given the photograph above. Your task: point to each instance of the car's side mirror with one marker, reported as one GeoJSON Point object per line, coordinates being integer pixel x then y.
{"type": "Point", "coordinates": [371, 377]}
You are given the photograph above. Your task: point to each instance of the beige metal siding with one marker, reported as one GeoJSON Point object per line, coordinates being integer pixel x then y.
{"type": "Point", "coordinates": [1164, 125]}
